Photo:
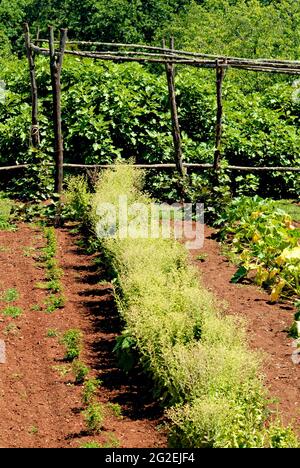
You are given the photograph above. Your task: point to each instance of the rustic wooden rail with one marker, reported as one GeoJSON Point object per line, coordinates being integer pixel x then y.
{"type": "Point", "coordinates": [175, 51]}
{"type": "Point", "coordinates": [194, 166]}
{"type": "Point", "coordinates": [192, 60]}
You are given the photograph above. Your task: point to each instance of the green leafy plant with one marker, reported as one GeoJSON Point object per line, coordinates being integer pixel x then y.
{"type": "Point", "coordinates": [33, 430]}
{"type": "Point", "coordinates": [94, 417]}
{"type": "Point", "coordinates": [90, 388]}
{"type": "Point", "coordinates": [55, 302]}
{"type": "Point", "coordinates": [12, 311]}
{"type": "Point", "coordinates": [91, 445]}
{"type": "Point", "coordinates": [78, 198]}
{"type": "Point", "coordinates": [52, 333]}
{"type": "Point", "coordinates": [72, 341]}
{"type": "Point", "coordinates": [56, 299]}
{"type": "Point", "coordinates": [125, 350]}
{"type": "Point", "coordinates": [282, 437]}
{"type": "Point", "coordinates": [54, 285]}
{"type": "Point", "coordinates": [116, 409]}
{"type": "Point", "coordinates": [80, 371]}
{"type": "Point", "coordinates": [10, 295]}
{"type": "Point", "coordinates": [241, 273]}
{"type": "Point", "coordinates": [265, 240]}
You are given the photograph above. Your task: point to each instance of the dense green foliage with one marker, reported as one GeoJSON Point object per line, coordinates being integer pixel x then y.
{"type": "Point", "coordinates": [112, 111]}
{"type": "Point", "coordinates": [5, 213]}
{"type": "Point", "coordinates": [244, 28]}
{"type": "Point", "coordinates": [12, 14]}
{"type": "Point", "coordinates": [197, 357]}
{"type": "Point", "coordinates": [247, 27]}
{"type": "Point", "coordinates": [122, 20]}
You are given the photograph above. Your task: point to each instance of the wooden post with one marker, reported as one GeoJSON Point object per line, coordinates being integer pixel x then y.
{"type": "Point", "coordinates": [56, 61]}
{"type": "Point", "coordinates": [175, 122]}
{"type": "Point", "coordinates": [37, 36]}
{"type": "Point", "coordinates": [35, 132]}
{"type": "Point", "coordinates": [220, 77]}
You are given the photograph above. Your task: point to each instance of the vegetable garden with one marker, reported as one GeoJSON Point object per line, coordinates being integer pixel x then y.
{"type": "Point", "coordinates": [113, 319]}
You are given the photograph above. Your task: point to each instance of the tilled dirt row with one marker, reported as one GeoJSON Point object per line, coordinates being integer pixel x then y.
{"type": "Point", "coordinates": [39, 406]}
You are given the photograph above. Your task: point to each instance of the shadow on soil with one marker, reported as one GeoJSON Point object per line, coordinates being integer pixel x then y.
{"type": "Point", "coordinates": [132, 391]}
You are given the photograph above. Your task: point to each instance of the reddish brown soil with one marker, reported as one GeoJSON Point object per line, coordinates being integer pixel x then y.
{"type": "Point", "coordinates": [39, 407]}
{"type": "Point", "coordinates": [267, 325]}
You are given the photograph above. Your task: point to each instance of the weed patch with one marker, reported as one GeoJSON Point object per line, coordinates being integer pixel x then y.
{"type": "Point", "coordinates": [72, 341]}
{"type": "Point", "coordinates": [94, 417]}
{"type": "Point", "coordinates": [80, 371]}
{"type": "Point", "coordinates": [6, 206]}
{"type": "Point", "coordinates": [51, 333]}
{"type": "Point", "coordinates": [90, 388]}
{"type": "Point", "coordinates": [12, 311]}
{"type": "Point", "coordinates": [10, 295]}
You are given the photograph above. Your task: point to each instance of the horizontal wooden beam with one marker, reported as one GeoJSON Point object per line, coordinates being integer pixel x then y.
{"type": "Point", "coordinates": [230, 62]}
{"type": "Point", "coordinates": [139, 166]}
{"type": "Point", "coordinates": [165, 166]}
{"type": "Point", "coordinates": [14, 168]}
{"type": "Point", "coordinates": [175, 51]}
{"type": "Point", "coordinates": [143, 58]}
{"type": "Point", "coordinates": [188, 166]}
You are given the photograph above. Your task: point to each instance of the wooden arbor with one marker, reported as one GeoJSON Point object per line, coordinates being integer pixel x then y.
{"type": "Point", "coordinates": [169, 57]}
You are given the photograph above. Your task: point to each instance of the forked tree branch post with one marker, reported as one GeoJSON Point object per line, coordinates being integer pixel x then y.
{"type": "Point", "coordinates": [220, 72]}
{"type": "Point", "coordinates": [170, 71]}
{"type": "Point", "coordinates": [56, 61]}
{"type": "Point", "coordinates": [35, 132]}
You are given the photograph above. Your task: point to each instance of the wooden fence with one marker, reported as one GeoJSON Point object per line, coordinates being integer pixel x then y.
{"type": "Point", "coordinates": [169, 57]}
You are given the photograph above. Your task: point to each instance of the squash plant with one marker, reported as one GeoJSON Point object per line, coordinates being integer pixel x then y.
{"type": "Point", "coordinates": [266, 241]}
